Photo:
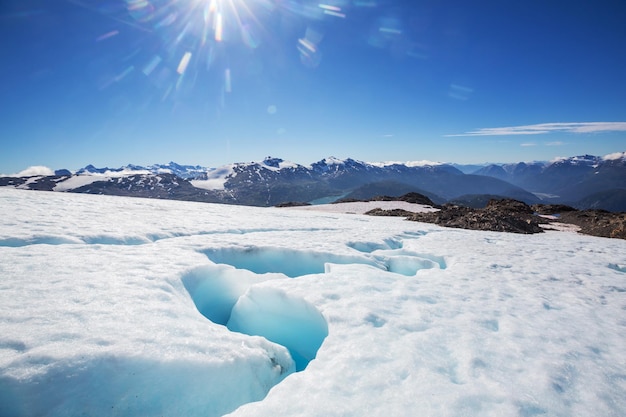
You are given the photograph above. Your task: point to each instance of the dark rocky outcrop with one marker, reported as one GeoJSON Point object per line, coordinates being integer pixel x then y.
{"type": "Point", "coordinates": [389, 213]}
{"type": "Point", "coordinates": [600, 223]}
{"type": "Point", "coordinates": [551, 209]}
{"type": "Point", "coordinates": [597, 222]}
{"type": "Point", "coordinates": [507, 215]}
{"type": "Point", "coordinates": [292, 204]}
{"type": "Point", "coordinates": [499, 216]}
{"type": "Point", "coordinates": [389, 189]}
{"type": "Point", "coordinates": [411, 197]}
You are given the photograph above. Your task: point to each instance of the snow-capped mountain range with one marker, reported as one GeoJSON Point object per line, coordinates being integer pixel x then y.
{"type": "Point", "coordinates": [585, 181]}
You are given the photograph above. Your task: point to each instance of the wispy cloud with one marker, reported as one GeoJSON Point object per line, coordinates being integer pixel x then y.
{"type": "Point", "coordinates": [460, 92]}
{"type": "Point", "coordinates": [34, 171]}
{"type": "Point", "coordinates": [543, 128]}
{"type": "Point", "coordinates": [617, 155]}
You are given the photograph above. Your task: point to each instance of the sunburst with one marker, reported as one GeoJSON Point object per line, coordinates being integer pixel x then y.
{"type": "Point", "coordinates": [189, 38]}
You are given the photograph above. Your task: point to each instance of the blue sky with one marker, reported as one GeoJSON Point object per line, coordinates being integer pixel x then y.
{"type": "Point", "coordinates": [209, 82]}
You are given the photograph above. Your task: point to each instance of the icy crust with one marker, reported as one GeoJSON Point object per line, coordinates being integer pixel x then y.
{"type": "Point", "coordinates": [420, 320]}
{"type": "Point", "coordinates": [125, 385]}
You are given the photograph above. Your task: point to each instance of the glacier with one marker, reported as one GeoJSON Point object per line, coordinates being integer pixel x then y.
{"type": "Point", "coordinates": [128, 306]}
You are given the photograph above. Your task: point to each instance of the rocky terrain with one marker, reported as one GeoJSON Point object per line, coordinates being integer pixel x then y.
{"type": "Point", "coordinates": [507, 215]}
{"type": "Point", "coordinates": [596, 222]}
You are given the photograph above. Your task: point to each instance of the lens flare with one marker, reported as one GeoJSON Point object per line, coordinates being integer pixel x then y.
{"type": "Point", "coordinates": [192, 46]}
{"type": "Point", "coordinates": [182, 66]}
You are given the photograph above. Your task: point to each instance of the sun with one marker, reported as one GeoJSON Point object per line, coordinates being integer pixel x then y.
{"type": "Point", "coordinates": [190, 45]}
{"type": "Point", "coordinates": [189, 33]}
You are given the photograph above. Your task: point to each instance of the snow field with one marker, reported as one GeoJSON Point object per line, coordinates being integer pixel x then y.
{"type": "Point", "coordinates": [120, 306]}
{"type": "Point", "coordinates": [529, 336]}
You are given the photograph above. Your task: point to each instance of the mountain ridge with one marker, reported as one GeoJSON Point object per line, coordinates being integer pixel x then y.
{"type": "Point", "coordinates": [588, 179]}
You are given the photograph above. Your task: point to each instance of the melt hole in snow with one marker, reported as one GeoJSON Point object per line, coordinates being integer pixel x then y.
{"type": "Point", "coordinates": [215, 291]}
{"type": "Point", "coordinates": [283, 319]}
{"type": "Point", "coordinates": [286, 261]}
{"type": "Point", "coordinates": [228, 297]}
{"type": "Point", "coordinates": [395, 259]}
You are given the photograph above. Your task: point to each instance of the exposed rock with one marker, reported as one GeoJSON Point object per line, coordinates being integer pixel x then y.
{"type": "Point", "coordinates": [517, 217]}
{"type": "Point", "coordinates": [347, 200]}
{"type": "Point", "coordinates": [508, 205]}
{"type": "Point", "coordinates": [597, 222]}
{"type": "Point", "coordinates": [412, 197]}
{"type": "Point", "coordinates": [392, 213]}
{"type": "Point", "coordinates": [551, 209]}
{"type": "Point", "coordinates": [499, 216]}
{"type": "Point", "coordinates": [292, 204]}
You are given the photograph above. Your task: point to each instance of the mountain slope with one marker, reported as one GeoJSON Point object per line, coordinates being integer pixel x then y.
{"type": "Point", "coordinates": [273, 181]}
{"type": "Point", "coordinates": [568, 180]}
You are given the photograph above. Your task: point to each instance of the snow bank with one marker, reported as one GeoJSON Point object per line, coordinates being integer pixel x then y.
{"type": "Point", "coordinates": [361, 207]}
{"type": "Point", "coordinates": [77, 181]}
{"type": "Point", "coordinates": [137, 385]}
{"type": "Point", "coordinates": [216, 178]}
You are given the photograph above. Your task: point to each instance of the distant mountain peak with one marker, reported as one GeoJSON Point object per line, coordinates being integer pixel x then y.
{"type": "Point", "coordinates": [274, 180]}
{"type": "Point", "coordinates": [577, 160]}
{"type": "Point", "coordinates": [273, 162]}
{"type": "Point", "coordinates": [331, 160]}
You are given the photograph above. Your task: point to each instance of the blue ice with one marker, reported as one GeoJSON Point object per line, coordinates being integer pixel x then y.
{"type": "Point", "coordinates": [290, 262]}
{"type": "Point", "coordinates": [283, 319]}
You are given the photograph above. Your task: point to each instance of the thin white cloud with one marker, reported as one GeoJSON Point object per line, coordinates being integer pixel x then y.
{"type": "Point", "coordinates": [558, 143]}
{"type": "Point", "coordinates": [460, 92]}
{"type": "Point", "coordinates": [543, 128]}
{"type": "Point", "coordinates": [528, 144]}
{"type": "Point", "coordinates": [35, 171]}
{"type": "Point", "coordinates": [614, 156]}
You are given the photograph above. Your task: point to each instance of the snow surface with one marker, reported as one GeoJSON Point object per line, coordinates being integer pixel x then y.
{"type": "Point", "coordinates": [422, 163]}
{"type": "Point", "coordinates": [216, 178]}
{"type": "Point", "coordinates": [127, 306]}
{"type": "Point", "coordinates": [77, 181]}
{"type": "Point", "coordinates": [361, 207]}
{"type": "Point", "coordinates": [30, 180]}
